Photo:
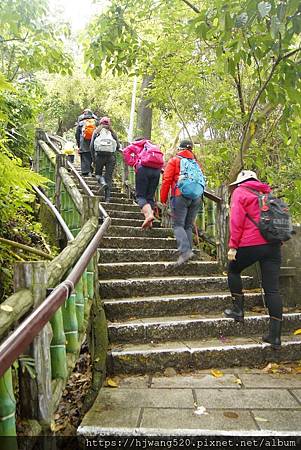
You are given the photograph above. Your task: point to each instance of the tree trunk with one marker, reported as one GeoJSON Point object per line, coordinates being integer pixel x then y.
{"type": "Point", "coordinates": [145, 112]}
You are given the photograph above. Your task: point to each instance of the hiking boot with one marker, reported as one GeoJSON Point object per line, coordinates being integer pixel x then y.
{"type": "Point", "coordinates": [237, 310]}
{"type": "Point", "coordinates": [184, 257]}
{"type": "Point", "coordinates": [101, 180]}
{"type": "Point", "coordinates": [274, 335]}
{"type": "Point", "coordinates": [107, 195]}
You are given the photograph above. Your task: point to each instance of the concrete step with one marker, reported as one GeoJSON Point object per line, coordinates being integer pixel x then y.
{"type": "Point", "coordinates": [193, 327]}
{"type": "Point", "coordinates": [198, 354]}
{"type": "Point", "coordinates": [156, 269]}
{"type": "Point", "coordinates": [174, 305]}
{"type": "Point", "coordinates": [139, 287]}
{"type": "Point", "coordinates": [121, 207]}
{"type": "Point", "coordinates": [119, 214]}
{"type": "Point", "coordinates": [138, 242]}
{"type": "Point", "coordinates": [117, 255]}
{"type": "Point", "coordinates": [132, 222]}
{"type": "Point", "coordinates": [139, 232]}
{"type": "Point", "coordinates": [115, 197]}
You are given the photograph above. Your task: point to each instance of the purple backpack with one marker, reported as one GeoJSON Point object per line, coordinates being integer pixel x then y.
{"type": "Point", "coordinates": [151, 156]}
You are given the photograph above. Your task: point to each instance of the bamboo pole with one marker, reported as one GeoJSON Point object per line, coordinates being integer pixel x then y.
{"type": "Point", "coordinates": [13, 308]}
{"type": "Point", "coordinates": [71, 188]}
{"type": "Point", "coordinates": [58, 347]}
{"type": "Point", "coordinates": [26, 248]}
{"type": "Point", "coordinates": [59, 266]}
{"type": "Point", "coordinates": [80, 303]}
{"type": "Point", "coordinates": [7, 405]}
{"type": "Point", "coordinates": [70, 324]}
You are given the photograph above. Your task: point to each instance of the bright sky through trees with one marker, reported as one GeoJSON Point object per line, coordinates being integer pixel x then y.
{"type": "Point", "coordinates": [78, 12]}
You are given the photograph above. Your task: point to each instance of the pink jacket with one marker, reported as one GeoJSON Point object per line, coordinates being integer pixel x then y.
{"type": "Point", "coordinates": [243, 232]}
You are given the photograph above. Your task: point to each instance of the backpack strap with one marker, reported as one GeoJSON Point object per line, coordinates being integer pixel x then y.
{"type": "Point", "coordinates": [259, 197]}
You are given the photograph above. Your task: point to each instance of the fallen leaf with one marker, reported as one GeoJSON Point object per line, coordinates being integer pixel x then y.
{"type": "Point", "coordinates": [298, 370]}
{"type": "Point", "coordinates": [6, 308]}
{"type": "Point", "coordinates": [200, 411]}
{"type": "Point", "coordinates": [270, 367]}
{"type": "Point", "coordinates": [238, 381]}
{"type": "Point", "coordinates": [217, 373]}
{"type": "Point", "coordinates": [297, 331]}
{"type": "Point", "coordinates": [261, 419]}
{"type": "Point", "coordinates": [231, 414]}
{"type": "Point", "coordinates": [111, 383]}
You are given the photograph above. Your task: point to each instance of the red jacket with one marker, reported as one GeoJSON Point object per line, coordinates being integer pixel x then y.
{"type": "Point", "coordinates": [243, 232]}
{"type": "Point", "coordinates": [171, 175]}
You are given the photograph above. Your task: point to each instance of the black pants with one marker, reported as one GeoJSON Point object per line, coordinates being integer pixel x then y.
{"type": "Point", "coordinates": [85, 162]}
{"type": "Point", "coordinates": [147, 180]}
{"type": "Point", "coordinates": [269, 258]}
{"type": "Point", "coordinates": [107, 161]}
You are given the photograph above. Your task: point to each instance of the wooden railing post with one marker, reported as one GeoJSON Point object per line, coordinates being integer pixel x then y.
{"type": "Point", "coordinates": [60, 162]}
{"type": "Point", "coordinates": [35, 393]}
{"type": "Point", "coordinates": [222, 223]}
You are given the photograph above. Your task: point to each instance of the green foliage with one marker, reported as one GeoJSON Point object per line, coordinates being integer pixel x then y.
{"type": "Point", "coordinates": [232, 71]}
{"type": "Point", "coordinates": [29, 41]}
{"type": "Point", "coordinates": [67, 96]}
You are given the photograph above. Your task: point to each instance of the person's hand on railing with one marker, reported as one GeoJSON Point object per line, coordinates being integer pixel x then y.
{"type": "Point", "coordinates": [232, 254]}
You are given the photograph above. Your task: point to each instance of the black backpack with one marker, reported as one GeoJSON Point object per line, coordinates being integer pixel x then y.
{"type": "Point", "coordinates": [275, 223]}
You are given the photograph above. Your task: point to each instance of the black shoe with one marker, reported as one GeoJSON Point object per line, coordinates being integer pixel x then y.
{"type": "Point", "coordinates": [274, 335]}
{"type": "Point", "coordinates": [237, 310]}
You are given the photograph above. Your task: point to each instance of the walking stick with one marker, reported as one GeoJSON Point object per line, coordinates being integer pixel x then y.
{"type": "Point", "coordinates": [259, 279]}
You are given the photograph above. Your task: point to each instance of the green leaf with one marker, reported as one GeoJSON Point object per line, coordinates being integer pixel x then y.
{"type": "Point", "coordinates": [241, 20]}
{"type": "Point", "coordinates": [264, 8]}
{"type": "Point", "coordinates": [275, 26]}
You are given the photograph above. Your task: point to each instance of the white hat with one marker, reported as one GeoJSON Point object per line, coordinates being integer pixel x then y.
{"type": "Point", "coordinates": [244, 175]}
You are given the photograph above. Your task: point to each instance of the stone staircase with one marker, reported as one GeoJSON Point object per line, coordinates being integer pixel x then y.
{"type": "Point", "coordinates": [160, 316]}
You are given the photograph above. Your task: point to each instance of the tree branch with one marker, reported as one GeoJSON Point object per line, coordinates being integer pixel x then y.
{"type": "Point", "coordinates": [239, 91]}
{"type": "Point", "coordinates": [178, 114]}
{"type": "Point", "coordinates": [194, 8]}
{"type": "Point", "coordinates": [256, 61]}
{"type": "Point", "coordinates": [291, 53]}
{"type": "Point", "coordinates": [244, 142]}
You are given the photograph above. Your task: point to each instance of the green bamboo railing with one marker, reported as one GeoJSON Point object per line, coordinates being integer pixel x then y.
{"type": "Point", "coordinates": [68, 322]}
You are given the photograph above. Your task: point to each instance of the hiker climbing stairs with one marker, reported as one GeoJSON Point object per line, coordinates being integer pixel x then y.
{"type": "Point", "coordinates": [160, 315]}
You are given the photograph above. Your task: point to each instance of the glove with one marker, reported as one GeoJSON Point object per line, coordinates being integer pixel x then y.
{"type": "Point", "coordinates": [232, 254]}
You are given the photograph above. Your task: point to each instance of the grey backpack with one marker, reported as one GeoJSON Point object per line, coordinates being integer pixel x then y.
{"type": "Point", "coordinates": [105, 142]}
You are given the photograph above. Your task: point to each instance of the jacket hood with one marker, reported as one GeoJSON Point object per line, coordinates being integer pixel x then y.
{"type": "Point", "coordinates": [186, 154]}
{"type": "Point", "coordinates": [256, 185]}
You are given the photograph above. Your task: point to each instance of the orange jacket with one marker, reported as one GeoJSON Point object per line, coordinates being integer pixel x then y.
{"type": "Point", "coordinates": [171, 175]}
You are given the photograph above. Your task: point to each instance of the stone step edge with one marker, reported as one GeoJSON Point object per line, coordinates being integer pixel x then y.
{"type": "Point", "coordinates": [158, 263]}
{"type": "Point", "coordinates": [170, 347]}
{"type": "Point", "coordinates": [169, 278]}
{"type": "Point", "coordinates": [142, 238]}
{"type": "Point", "coordinates": [126, 227]}
{"type": "Point", "coordinates": [130, 433]}
{"type": "Point", "coordinates": [180, 320]}
{"type": "Point", "coordinates": [176, 297]}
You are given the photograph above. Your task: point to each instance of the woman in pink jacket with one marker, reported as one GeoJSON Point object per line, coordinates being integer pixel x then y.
{"type": "Point", "coordinates": [247, 246]}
